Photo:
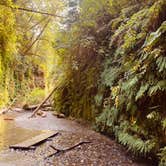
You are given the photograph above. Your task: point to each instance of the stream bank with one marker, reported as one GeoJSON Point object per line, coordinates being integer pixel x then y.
{"type": "Point", "coordinates": [102, 151]}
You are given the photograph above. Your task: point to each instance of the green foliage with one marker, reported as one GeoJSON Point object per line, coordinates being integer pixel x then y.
{"type": "Point", "coordinates": [7, 49]}
{"type": "Point", "coordinates": [115, 72]}
{"type": "Point", "coordinates": [35, 96]}
{"type": "Point", "coordinates": [107, 120]}
{"type": "Point", "coordinates": [162, 156]}
{"type": "Point", "coordinates": [161, 63]}
{"type": "Point", "coordinates": [135, 144]}
{"type": "Point", "coordinates": [141, 92]}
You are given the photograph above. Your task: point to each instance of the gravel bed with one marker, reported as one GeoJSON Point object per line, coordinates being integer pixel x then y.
{"type": "Point", "coordinates": [101, 151]}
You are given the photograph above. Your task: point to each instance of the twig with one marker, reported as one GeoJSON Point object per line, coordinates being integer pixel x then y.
{"type": "Point", "coordinates": [10, 105]}
{"type": "Point", "coordinates": [60, 151]}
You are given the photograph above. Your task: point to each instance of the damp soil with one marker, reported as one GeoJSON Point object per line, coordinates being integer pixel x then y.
{"type": "Point", "coordinates": [101, 151]}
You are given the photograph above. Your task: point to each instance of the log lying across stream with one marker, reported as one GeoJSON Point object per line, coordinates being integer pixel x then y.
{"type": "Point", "coordinates": [45, 100]}
{"type": "Point", "coordinates": [33, 107]}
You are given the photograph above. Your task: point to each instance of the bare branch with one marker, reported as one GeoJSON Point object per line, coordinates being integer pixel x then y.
{"type": "Point", "coordinates": [39, 12]}
{"type": "Point", "coordinates": [37, 23]}
{"type": "Point", "coordinates": [34, 11]}
{"type": "Point", "coordinates": [26, 51]}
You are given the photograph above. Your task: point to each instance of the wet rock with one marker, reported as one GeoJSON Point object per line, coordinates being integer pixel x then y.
{"type": "Point", "coordinates": [58, 115]}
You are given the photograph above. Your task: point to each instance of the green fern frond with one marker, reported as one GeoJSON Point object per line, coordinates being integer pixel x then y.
{"type": "Point", "coordinates": [162, 156]}
{"type": "Point", "coordinates": [155, 36]}
{"type": "Point", "coordinates": [130, 83]}
{"type": "Point", "coordinates": [161, 63]}
{"type": "Point", "coordinates": [155, 116]}
{"type": "Point", "coordinates": [107, 118]}
{"type": "Point", "coordinates": [98, 99]}
{"type": "Point", "coordinates": [164, 124]}
{"type": "Point", "coordinates": [135, 144]}
{"type": "Point", "coordinates": [161, 85]}
{"type": "Point", "coordinates": [141, 92]}
{"type": "Point", "coordinates": [109, 76]}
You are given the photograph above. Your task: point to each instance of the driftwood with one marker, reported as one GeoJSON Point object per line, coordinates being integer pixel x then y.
{"type": "Point", "coordinates": [44, 101]}
{"type": "Point", "coordinates": [8, 118]}
{"type": "Point", "coordinates": [60, 151]}
{"type": "Point", "coordinates": [9, 108]}
{"type": "Point", "coordinates": [36, 140]}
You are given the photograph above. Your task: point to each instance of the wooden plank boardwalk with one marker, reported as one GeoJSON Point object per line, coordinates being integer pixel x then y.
{"type": "Point", "coordinates": [28, 144]}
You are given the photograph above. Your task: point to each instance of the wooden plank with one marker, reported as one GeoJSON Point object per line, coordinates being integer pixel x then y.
{"type": "Point", "coordinates": [34, 141]}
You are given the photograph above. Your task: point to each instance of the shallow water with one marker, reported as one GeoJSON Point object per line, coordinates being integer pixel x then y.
{"type": "Point", "coordinates": [11, 134]}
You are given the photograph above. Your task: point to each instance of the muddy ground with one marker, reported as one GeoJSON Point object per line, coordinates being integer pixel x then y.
{"type": "Point", "coordinates": [101, 151]}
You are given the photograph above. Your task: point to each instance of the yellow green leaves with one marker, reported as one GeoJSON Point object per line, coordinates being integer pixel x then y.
{"type": "Point", "coordinates": [115, 91]}
{"type": "Point", "coordinates": [7, 48]}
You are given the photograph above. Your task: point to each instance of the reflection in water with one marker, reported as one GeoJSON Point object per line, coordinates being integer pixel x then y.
{"type": "Point", "coordinates": [11, 134]}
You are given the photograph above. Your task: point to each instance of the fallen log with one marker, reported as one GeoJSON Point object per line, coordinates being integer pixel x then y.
{"type": "Point", "coordinates": [29, 143]}
{"type": "Point", "coordinates": [44, 101]}
{"type": "Point", "coordinates": [60, 151]}
{"type": "Point", "coordinates": [8, 118]}
{"type": "Point", "coordinates": [33, 107]}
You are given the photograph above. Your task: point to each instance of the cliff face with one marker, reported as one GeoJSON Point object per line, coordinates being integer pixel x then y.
{"type": "Point", "coordinates": [116, 74]}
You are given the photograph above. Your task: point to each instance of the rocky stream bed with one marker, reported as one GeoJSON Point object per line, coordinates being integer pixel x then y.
{"type": "Point", "coordinates": [100, 151]}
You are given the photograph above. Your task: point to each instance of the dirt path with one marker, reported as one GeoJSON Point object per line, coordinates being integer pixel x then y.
{"type": "Point", "coordinates": [102, 151]}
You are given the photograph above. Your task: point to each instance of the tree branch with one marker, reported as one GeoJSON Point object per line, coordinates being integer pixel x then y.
{"type": "Point", "coordinates": [39, 12]}
{"type": "Point", "coordinates": [60, 151]}
{"type": "Point", "coordinates": [34, 11]}
{"type": "Point", "coordinates": [25, 52]}
{"type": "Point", "coordinates": [43, 19]}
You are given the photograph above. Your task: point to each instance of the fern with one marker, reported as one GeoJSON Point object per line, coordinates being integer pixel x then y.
{"type": "Point", "coordinates": [161, 85]}
{"type": "Point", "coordinates": [164, 124]}
{"type": "Point", "coordinates": [130, 83]}
{"type": "Point", "coordinates": [154, 116]}
{"type": "Point", "coordinates": [135, 144]}
{"type": "Point", "coordinates": [162, 156]}
{"type": "Point", "coordinates": [98, 99]}
{"type": "Point", "coordinates": [161, 63]}
{"type": "Point", "coordinates": [107, 119]}
{"type": "Point", "coordinates": [109, 76]}
{"type": "Point", "coordinates": [155, 36]}
{"type": "Point", "coordinates": [141, 92]}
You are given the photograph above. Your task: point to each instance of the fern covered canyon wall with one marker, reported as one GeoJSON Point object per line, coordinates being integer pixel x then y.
{"type": "Point", "coordinates": [115, 72]}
